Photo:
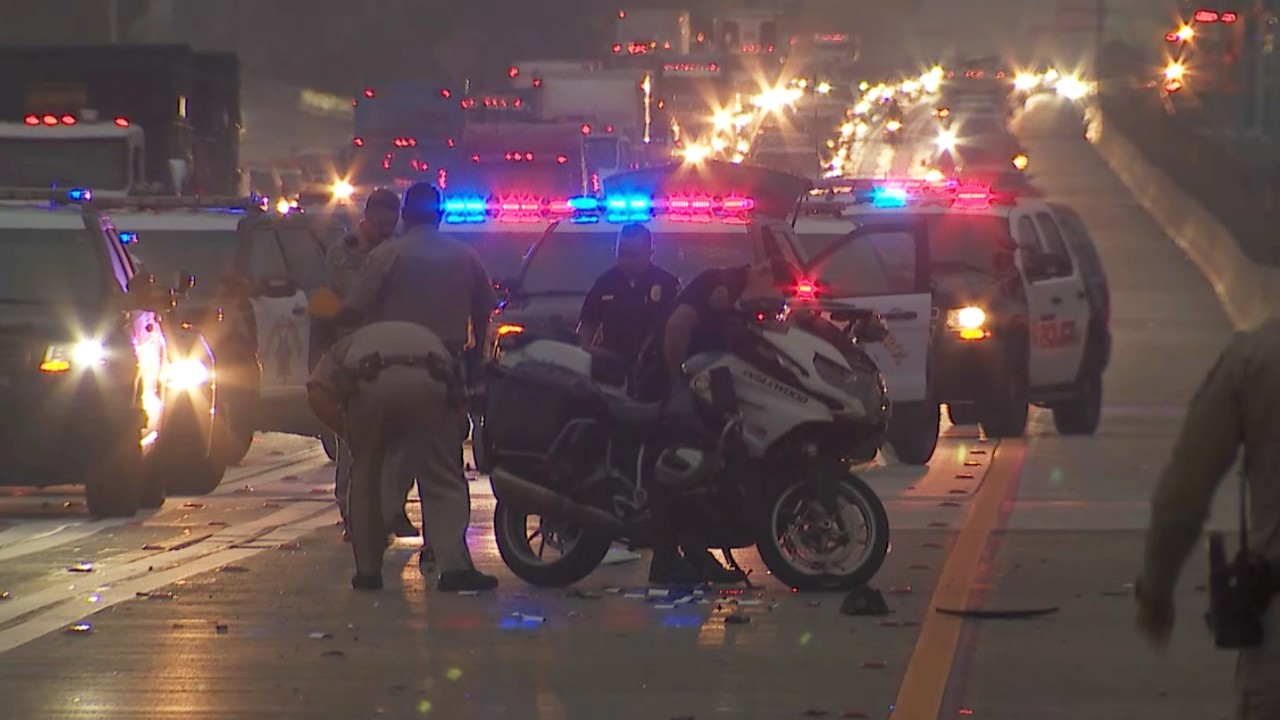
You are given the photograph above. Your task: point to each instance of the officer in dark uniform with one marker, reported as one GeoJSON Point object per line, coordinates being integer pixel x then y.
{"type": "Point", "coordinates": [628, 303]}
{"type": "Point", "coordinates": [625, 309]}
{"type": "Point", "coordinates": [700, 322]}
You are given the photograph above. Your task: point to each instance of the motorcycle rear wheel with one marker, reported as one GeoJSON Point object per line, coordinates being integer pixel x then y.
{"type": "Point", "coordinates": [580, 549]}
{"type": "Point", "coordinates": [801, 544]}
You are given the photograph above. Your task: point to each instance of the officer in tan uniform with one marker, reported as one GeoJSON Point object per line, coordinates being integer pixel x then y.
{"type": "Point", "coordinates": [346, 262]}
{"type": "Point", "coordinates": [429, 279]}
{"type": "Point", "coordinates": [388, 388]}
{"type": "Point", "coordinates": [1237, 405]}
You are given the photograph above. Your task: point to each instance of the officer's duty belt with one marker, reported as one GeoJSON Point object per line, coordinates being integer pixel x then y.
{"type": "Point", "coordinates": [440, 368]}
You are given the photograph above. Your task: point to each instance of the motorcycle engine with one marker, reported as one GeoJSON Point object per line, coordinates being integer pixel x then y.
{"type": "Point", "coordinates": [682, 467]}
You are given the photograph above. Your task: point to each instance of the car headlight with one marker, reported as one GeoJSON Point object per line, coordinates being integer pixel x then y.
{"type": "Point", "coordinates": [1021, 161]}
{"type": "Point", "coordinates": [186, 375]}
{"type": "Point", "coordinates": [63, 357]}
{"type": "Point", "coordinates": [970, 322]}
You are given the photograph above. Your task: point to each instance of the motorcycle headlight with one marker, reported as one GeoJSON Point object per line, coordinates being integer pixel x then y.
{"type": "Point", "coordinates": [969, 322]}
{"type": "Point", "coordinates": [186, 375]}
{"type": "Point", "coordinates": [62, 357]}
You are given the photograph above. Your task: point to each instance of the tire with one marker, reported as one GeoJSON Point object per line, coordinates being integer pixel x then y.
{"type": "Point", "coordinates": [784, 566]}
{"type": "Point", "coordinates": [154, 477]}
{"type": "Point", "coordinates": [1082, 415]}
{"type": "Point", "coordinates": [963, 414]}
{"type": "Point", "coordinates": [1004, 412]}
{"type": "Point", "coordinates": [582, 558]}
{"type": "Point", "coordinates": [239, 435]}
{"type": "Point", "coordinates": [114, 487]}
{"type": "Point", "coordinates": [330, 443]}
{"type": "Point", "coordinates": [913, 431]}
{"type": "Point", "coordinates": [202, 478]}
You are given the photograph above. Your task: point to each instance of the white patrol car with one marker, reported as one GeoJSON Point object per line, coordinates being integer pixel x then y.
{"type": "Point", "coordinates": [244, 275]}
{"type": "Point", "coordinates": [1019, 304]}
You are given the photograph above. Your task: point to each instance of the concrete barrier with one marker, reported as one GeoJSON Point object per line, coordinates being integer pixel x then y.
{"type": "Point", "coordinates": [1249, 292]}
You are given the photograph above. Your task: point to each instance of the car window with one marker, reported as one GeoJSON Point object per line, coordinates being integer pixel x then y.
{"type": "Point", "coordinates": [39, 266]}
{"type": "Point", "coordinates": [1028, 236]}
{"type": "Point", "coordinates": [876, 264]}
{"type": "Point", "coordinates": [1053, 243]}
{"type": "Point", "coordinates": [265, 258]}
{"type": "Point", "coordinates": [207, 254]}
{"type": "Point", "coordinates": [501, 252]}
{"type": "Point", "coordinates": [1078, 238]}
{"type": "Point", "coordinates": [304, 256]}
{"type": "Point", "coordinates": [569, 263]}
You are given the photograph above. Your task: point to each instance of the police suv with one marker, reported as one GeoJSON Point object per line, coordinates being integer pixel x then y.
{"type": "Point", "coordinates": [98, 386]}
{"type": "Point", "coordinates": [244, 273]}
{"type": "Point", "coordinates": [1020, 310]}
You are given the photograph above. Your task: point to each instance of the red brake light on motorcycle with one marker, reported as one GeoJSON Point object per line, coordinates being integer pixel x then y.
{"type": "Point", "coordinates": [68, 120]}
{"type": "Point", "coordinates": [50, 119]}
{"type": "Point", "coordinates": [1206, 16]}
{"type": "Point", "coordinates": [33, 120]}
{"type": "Point", "coordinates": [806, 289]}
{"type": "Point", "coordinates": [122, 122]}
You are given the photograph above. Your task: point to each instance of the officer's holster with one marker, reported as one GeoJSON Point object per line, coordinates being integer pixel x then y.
{"type": "Point", "coordinates": [441, 369]}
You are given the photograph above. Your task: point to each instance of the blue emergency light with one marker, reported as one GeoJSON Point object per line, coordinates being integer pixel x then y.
{"type": "Point", "coordinates": [889, 197]}
{"type": "Point", "coordinates": [128, 238]}
{"type": "Point", "coordinates": [584, 203]}
{"type": "Point", "coordinates": [628, 208]}
{"type": "Point", "coordinates": [79, 195]}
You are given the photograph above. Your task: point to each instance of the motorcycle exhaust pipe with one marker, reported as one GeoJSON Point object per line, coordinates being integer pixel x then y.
{"type": "Point", "coordinates": [538, 500]}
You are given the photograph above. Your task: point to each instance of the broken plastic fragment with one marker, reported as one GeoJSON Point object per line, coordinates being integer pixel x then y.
{"type": "Point", "coordinates": [221, 629]}
{"type": "Point", "coordinates": [664, 606]}
{"type": "Point", "coordinates": [193, 505]}
{"type": "Point", "coordinates": [81, 628]}
{"type": "Point", "coordinates": [244, 490]}
{"type": "Point", "coordinates": [901, 590]}
{"type": "Point", "coordinates": [736, 619]}
{"type": "Point", "coordinates": [320, 636]}
{"type": "Point", "coordinates": [233, 569]}
{"type": "Point", "coordinates": [522, 617]}
{"type": "Point", "coordinates": [874, 665]}
{"type": "Point", "coordinates": [150, 546]}
{"type": "Point", "coordinates": [219, 523]}
{"type": "Point", "coordinates": [5, 595]}
{"type": "Point", "coordinates": [291, 545]}
{"type": "Point", "coordinates": [333, 654]}
{"type": "Point", "coordinates": [157, 595]}
{"type": "Point", "coordinates": [84, 567]}
{"type": "Point", "coordinates": [270, 504]}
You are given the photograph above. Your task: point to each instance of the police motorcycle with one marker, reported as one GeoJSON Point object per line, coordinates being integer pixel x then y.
{"type": "Point", "coordinates": [755, 445]}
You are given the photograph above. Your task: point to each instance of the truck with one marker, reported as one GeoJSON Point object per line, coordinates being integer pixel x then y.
{"type": "Point", "coordinates": [614, 109]}
{"type": "Point", "coordinates": [521, 159]}
{"type": "Point", "coordinates": [120, 119]}
{"type": "Point", "coordinates": [652, 32]}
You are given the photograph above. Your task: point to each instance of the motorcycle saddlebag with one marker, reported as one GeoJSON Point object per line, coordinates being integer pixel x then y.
{"type": "Point", "coordinates": [530, 404]}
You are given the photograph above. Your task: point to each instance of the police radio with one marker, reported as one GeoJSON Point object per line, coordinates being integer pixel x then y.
{"type": "Point", "coordinates": [1239, 590]}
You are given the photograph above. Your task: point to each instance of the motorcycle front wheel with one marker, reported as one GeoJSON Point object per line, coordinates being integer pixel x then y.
{"type": "Point", "coordinates": [809, 548]}
{"type": "Point", "coordinates": [546, 552]}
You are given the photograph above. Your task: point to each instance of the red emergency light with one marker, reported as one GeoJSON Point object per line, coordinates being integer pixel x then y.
{"type": "Point", "coordinates": [368, 92]}
{"type": "Point", "coordinates": [806, 289]}
{"type": "Point", "coordinates": [405, 142]}
{"type": "Point", "coordinates": [617, 48]}
{"type": "Point", "coordinates": [973, 197]}
{"type": "Point", "coordinates": [33, 120]}
{"type": "Point", "coordinates": [513, 72]}
{"type": "Point", "coordinates": [451, 142]}
{"type": "Point", "coordinates": [1171, 37]}
{"type": "Point", "coordinates": [586, 129]}
{"type": "Point", "coordinates": [562, 159]}
{"type": "Point", "coordinates": [1229, 17]}
{"type": "Point", "coordinates": [537, 82]}
{"type": "Point", "coordinates": [358, 142]}
{"type": "Point", "coordinates": [122, 122]}
{"type": "Point", "coordinates": [446, 93]}
{"type": "Point", "coordinates": [1206, 16]}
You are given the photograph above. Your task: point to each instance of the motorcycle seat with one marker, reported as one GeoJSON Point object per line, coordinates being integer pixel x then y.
{"type": "Point", "coordinates": [635, 414]}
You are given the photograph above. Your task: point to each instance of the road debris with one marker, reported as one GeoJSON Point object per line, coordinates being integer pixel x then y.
{"type": "Point", "coordinates": [522, 617]}
{"type": "Point", "coordinates": [244, 490]}
{"type": "Point", "coordinates": [158, 595]}
{"type": "Point", "coordinates": [333, 654]}
{"type": "Point", "coordinates": [1011, 614]}
{"type": "Point", "coordinates": [320, 636]}
{"type": "Point", "coordinates": [291, 545]}
{"type": "Point", "coordinates": [150, 546]}
{"type": "Point", "coordinates": [221, 629]}
{"type": "Point", "coordinates": [873, 665]}
{"type": "Point", "coordinates": [901, 590]}
{"type": "Point", "coordinates": [736, 619]}
{"type": "Point", "coordinates": [192, 505]}
{"type": "Point", "coordinates": [233, 569]}
{"type": "Point", "coordinates": [584, 594]}
{"type": "Point", "coordinates": [83, 567]}
{"type": "Point", "coordinates": [80, 629]}
{"type": "Point", "coordinates": [864, 600]}
{"type": "Point", "coordinates": [5, 595]}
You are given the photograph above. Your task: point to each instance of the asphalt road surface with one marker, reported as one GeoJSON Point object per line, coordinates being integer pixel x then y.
{"type": "Point", "coordinates": [237, 605]}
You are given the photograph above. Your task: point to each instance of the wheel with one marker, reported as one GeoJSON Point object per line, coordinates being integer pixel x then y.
{"type": "Point", "coordinates": [239, 434]}
{"type": "Point", "coordinates": [203, 477]}
{"type": "Point", "coordinates": [524, 539]}
{"type": "Point", "coordinates": [114, 486]}
{"type": "Point", "coordinates": [806, 548]}
{"type": "Point", "coordinates": [154, 475]}
{"type": "Point", "coordinates": [962, 414]}
{"type": "Point", "coordinates": [1081, 415]}
{"type": "Point", "coordinates": [913, 431]}
{"type": "Point", "coordinates": [1004, 412]}
{"type": "Point", "coordinates": [330, 443]}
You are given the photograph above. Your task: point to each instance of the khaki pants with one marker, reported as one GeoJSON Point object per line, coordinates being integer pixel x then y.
{"type": "Point", "coordinates": [397, 481]}
{"type": "Point", "coordinates": [1258, 673]}
{"type": "Point", "coordinates": [404, 412]}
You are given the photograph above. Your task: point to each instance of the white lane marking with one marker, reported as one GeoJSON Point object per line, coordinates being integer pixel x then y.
{"type": "Point", "coordinates": [34, 537]}
{"type": "Point", "coordinates": [74, 610]}
{"type": "Point", "coordinates": [132, 566]}
{"type": "Point", "coordinates": [28, 538]}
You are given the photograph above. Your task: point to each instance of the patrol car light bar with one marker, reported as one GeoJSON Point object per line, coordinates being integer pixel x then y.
{"type": "Point", "coordinates": [53, 195]}
{"type": "Point", "coordinates": [691, 207]}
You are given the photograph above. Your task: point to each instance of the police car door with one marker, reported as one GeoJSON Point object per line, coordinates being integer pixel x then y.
{"type": "Point", "coordinates": [1071, 299]}
{"type": "Point", "coordinates": [304, 253]}
{"type": "Point", "coordinates": [1049, 320]}
{"type": "Point", "coordinates": [884, 268]}
{"type": "Point", "coordinates": [279, 307]}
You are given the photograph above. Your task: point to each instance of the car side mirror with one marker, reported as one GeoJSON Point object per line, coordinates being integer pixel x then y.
{"type": "Point", "coordinates": [276, 286]}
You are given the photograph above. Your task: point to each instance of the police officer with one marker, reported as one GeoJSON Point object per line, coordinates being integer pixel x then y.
{"type": "Point", "coordinates": [625, 309]}
{"type": "Point", "coordinates": [346, 262]}
{"type": "Point", "coordinates": [1235, 406]}
{"type": "Point", "coordinates": [432, 280]}
{"type": "Point", "coordinates": [700, 322]}
{"type": "Point", "coordinates": [387, 387]}
{"type": "Point", "coordinates": [627, 304]}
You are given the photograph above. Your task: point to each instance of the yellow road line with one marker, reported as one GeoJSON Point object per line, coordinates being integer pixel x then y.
{"type": "Point", "coordinates": [925, 682]}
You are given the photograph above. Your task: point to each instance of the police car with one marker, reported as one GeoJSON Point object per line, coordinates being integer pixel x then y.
{"type": "Point", "coordinates": [98, 386]}
{"type": "Point", "coordinates": [245, 273]}
{"type": "Point", "coordinates": [1020, 306]}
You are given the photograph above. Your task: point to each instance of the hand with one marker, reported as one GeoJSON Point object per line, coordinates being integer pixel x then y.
{"type": "Point", "coordinates": [1155, 618]}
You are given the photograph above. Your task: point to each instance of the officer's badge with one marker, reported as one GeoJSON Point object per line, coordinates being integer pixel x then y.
{"type": "Point", "coordinates": [655, 293]}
